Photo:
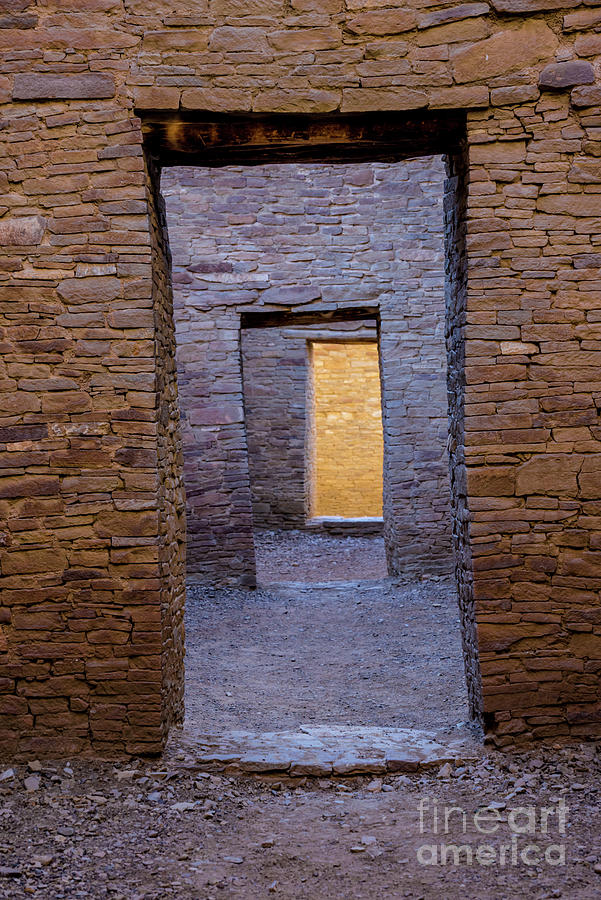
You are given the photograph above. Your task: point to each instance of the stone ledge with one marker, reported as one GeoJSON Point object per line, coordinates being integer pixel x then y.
{"type": "Point", "coordinates": [558, 76]}
{"type": "Point", "coordinates": [365, 525]}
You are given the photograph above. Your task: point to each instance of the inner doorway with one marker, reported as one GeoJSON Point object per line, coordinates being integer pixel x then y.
{"type": "Point", "coordinates": [261, 140]}
{"type": "Point", "coordinates": [335, 633]}
{"type": "Point", "coordinates": [313, 428]}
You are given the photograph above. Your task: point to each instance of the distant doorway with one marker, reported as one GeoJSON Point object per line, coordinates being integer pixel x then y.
{"type": "Point", "coordinates": [345, 445]}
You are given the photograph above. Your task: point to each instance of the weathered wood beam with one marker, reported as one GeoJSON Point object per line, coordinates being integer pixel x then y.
{"type": "Point", "coordinates": [178, 139]}
{"type": "Point", "coordinates": [275, 318]}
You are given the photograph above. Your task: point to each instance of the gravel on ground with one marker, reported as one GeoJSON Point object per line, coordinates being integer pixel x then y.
{"type": "Point", "coordinates": [319, 643]}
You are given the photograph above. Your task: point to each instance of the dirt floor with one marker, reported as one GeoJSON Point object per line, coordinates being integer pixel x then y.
{"type": "Point", "coordinates": [300, 556]}
{"type": "Point", "coordinates": [388, 653]}
{"type": "Point", "coordinates": [156, 831]}
{"type": "Point", "coordinates": [328, 639]}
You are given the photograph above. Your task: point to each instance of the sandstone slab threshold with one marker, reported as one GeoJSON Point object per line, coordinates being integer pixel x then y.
{"type": "Point", "coordinates": [323, 750]}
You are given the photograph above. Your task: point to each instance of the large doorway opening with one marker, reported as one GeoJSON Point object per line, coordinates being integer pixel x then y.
{"type": "Point", "coordinates": [290, 680]}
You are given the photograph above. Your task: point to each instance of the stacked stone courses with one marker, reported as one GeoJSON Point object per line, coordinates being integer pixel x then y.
{"type": "Point", "coordinates": [91, 524]}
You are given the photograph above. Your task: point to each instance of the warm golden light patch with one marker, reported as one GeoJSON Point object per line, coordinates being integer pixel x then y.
{"type": "Point", "coordinates": [345, 437]}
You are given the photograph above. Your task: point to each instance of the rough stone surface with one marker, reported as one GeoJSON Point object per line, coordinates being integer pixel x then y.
{"type": "Point", "coordinates": [505, 52]}
{"type": "Point", "coordinates": [523, 7]}
{"type": "Point", "coordinates": [586, 96]}
{"type": "Point", "coordinates": [566, 74]}
{"type": "Point", "coordinates": [323, 750]}
{"type": "Point", "coordinates": [63, 87]}
{"type": "Point", "coordinates": [157, 98]}
{"type": "Point", "coordinates": [22, 230]}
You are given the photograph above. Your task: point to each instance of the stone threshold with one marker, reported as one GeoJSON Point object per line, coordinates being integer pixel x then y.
{"type": "Point", "coordinates": [323, 750]}
{"type": "Point", "coordinates": [338, 525]}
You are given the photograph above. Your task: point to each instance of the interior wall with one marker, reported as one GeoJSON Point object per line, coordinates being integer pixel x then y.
{"type": "Point", "coordinates": [170, 486]}
{"type": "Point", "coordinates": [346, 429]}
{"type": "Point", "coordinates": [300, 237]}
{"type": "Point", "coordinates": [275, 372]}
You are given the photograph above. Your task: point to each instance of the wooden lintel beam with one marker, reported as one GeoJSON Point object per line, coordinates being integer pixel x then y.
{"type": "Point", "coordinates": [177, 139]}
{"type": "Point", "coordinates": [279, 318]}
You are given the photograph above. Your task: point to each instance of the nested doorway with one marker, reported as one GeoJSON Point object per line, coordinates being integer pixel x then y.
{"type": "Point", "coordinates": [222, 420]}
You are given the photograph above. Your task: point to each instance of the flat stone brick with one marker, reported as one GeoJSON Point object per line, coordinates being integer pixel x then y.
{"type": "Point", "coordinates": [216, 99]}
{"type": "Point", "coordinates": [63, 87]}
{"type": "Point", "coordinates": [157, 98]}
{"type": "Point", "coordinates": [499, 153]}
{"type": "Point", "coordinates": [504, 52]}
{"type": "Point", "coordinates": [571, 204]}
{"type": "Point", "coordinates": [22, 230]}
{"type": "Point", "coordinates": [588, 45]}
{"type": "Point", "coordinates": [305, 39]}
{"type": "Point", "coordinates": [453, 14]}
{"type": "Point", "coordinates": [566, 74]}
{"type": "Point", "coordinates": [522, 7]}
{"type": "Point", "coordinates": [586, 96]}
{"type": "Point", "coordinates": [506, 96]}
{"type": "Point", "coordinates": [380, 22]}
{"type": "Point", "coordinates": [290, 296]}
{"type": "Point", "coordinates": [99, 289]}
{"type": "Point", "coordinates": [388, 99]}
{"type": "Point", "coordinates": [30, 562]}
{"type": "Point", "coordinates": [229, 39]}
{"type": "Point", "coordinates": [278, 100]}
{"type": "Point", "coordinates": [459, 97]}
{"type": "Point", "coordinates": [582, 20]}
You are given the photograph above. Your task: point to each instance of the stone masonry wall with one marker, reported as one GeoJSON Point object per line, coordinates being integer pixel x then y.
{"type": "Point", "coordinates": [89, 573]}
{"type": "Point", "coordinates": [346, 429]}
{"type": "Point", "coordinates": [367, 233]}
{"type": "Point", "coordinates": [172, 524]}
{"type": "Point", "coordinates": [275, 385]}
{"type": "Point", "coordinates": [456, 287]}
{"type": "Point", "coordinates": [83, 329]}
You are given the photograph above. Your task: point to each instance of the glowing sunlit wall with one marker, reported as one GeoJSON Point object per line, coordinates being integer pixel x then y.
{"type": "Point", "coordinates": [345, 436]}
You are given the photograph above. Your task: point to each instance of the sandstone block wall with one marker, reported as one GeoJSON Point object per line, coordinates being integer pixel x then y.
{"type": "Point", "coordinates": [346, 442]}
{"type": "Point", "coordinates": [275, 393]}
{"type": "Point", "coordinates": [91, 502]}
{"type": "Point", "coordinates": [84, 330]}
{"type": "Point", "coordinates": [314, 235]}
